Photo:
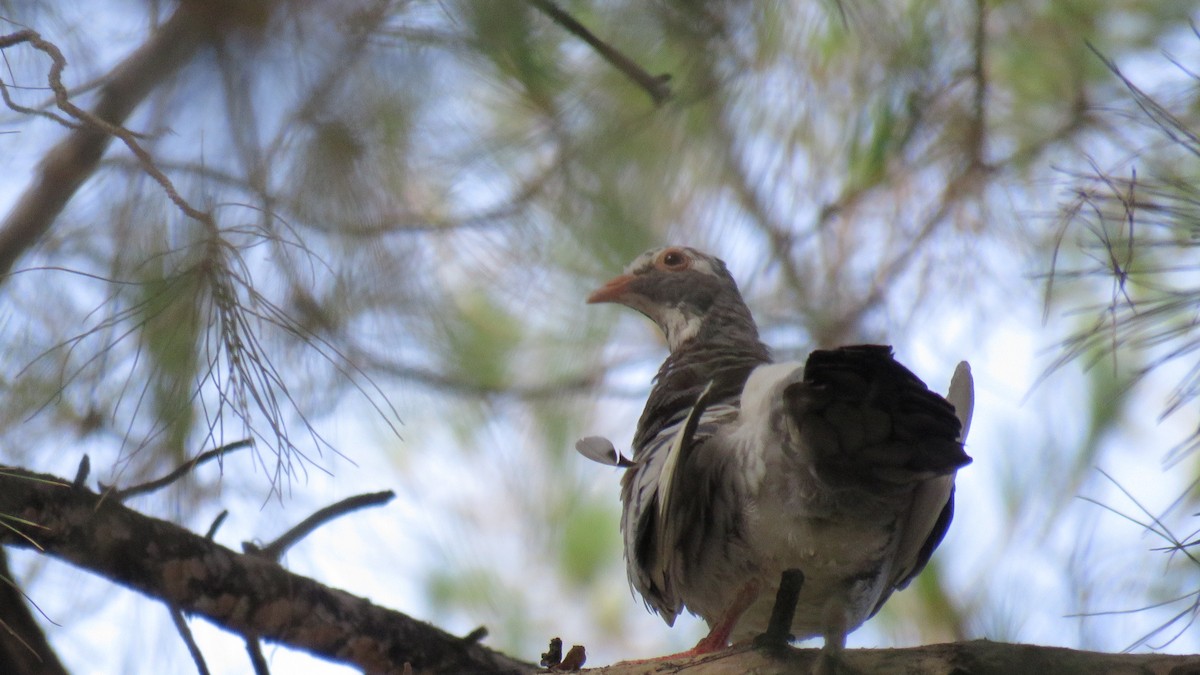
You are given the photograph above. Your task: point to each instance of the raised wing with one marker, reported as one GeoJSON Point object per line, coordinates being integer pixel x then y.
{"type": "Point", "coordinates": [872, 423]}
{"type": "Point", "coordinates": [868, 418]}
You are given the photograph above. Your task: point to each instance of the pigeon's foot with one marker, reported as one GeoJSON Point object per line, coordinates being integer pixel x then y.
{"type": "Point", "coordinates": [718, 635]}
{"type": "Point", "coordinates": [700, 649]}
{"type": "Point", "coordinates": [833, 662]}
{"type": "Point", "coordinates": [778, 635]}
{"type": "Point", "coordinates": [830, 660]}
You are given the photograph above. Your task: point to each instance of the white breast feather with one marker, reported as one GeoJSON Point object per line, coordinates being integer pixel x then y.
{"type": "Point", "coordinates": [761, 399]}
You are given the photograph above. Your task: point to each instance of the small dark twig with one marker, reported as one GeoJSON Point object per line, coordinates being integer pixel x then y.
{"type": "Point", "coordinates": [216, 523]}
{"type": "Point", "coordinates": [574, 660]}
{"type": "Point", "coordinates": [476, 635]}
{"type": "Point", "coordinates": [254, 649]}
{"type": "Point", "coordinates": [180, 471]}
{"type": "Point", "coordinates": [63, 100]}
{"type": "Point", "coordinates": [73, 160]}
{"type": "Point", "coordinates": [81, 474]}
{"type": "Point", "coordinates": [654, 85]}
{"type": "Point", "coordinates": [186, 633]}
{"type": "Point", "coordinates": [59, 63]}
{"type": "Point", "coordinates": [277, 548]}
{"type": "Point", "coordinates": [553, 655]}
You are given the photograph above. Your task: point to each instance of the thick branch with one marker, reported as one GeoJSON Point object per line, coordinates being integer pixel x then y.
{"type": "Point", "coordinates": [978, 657]}
{"type": "Point", "coordinates": [255, 597]}
{"type": "Point", "coordinates": [246, 594]}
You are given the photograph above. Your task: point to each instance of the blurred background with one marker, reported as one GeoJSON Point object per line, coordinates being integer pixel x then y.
{"type": "Point", "coordinates": [412, 199]}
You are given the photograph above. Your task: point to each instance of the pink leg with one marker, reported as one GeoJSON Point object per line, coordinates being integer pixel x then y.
{"type": "Point", "coordinates": [718, 636]}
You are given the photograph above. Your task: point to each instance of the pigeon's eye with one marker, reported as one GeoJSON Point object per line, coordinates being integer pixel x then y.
{"type": "Point", "coordinates": [674, 260]}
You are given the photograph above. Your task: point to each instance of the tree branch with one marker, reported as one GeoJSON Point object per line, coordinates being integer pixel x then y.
{"type": "Point", "coordinates": [179, 471]}
{"type": "Point", "coordinates": [657, 87]}
{"type": "Point", "coordinates": [977, 657]}
{"type": "Point", "coordinates": [74, 159]}
{"type": "Point", "coordinates": [258, 599]}
{"type": "Point", "coordinates": [276, 549]}
{"type": "Point", "coordinates": [246, 594]}
{"type": "Point", "coordinates": [23, 644]}
{"type": "Point", "coordinates": [185, 633]}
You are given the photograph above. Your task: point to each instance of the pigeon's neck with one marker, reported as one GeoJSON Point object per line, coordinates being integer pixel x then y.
{"type": "Point", "coordinates": [688, 370]}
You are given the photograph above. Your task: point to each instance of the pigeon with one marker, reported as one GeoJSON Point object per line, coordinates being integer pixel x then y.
{"type": "Point", "coordinates": [812, 490]}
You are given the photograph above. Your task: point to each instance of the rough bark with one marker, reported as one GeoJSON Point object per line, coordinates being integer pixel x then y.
{"type": "Point", "coordinates": [255, 597]}
{"type": "Point", "coordinates": [978, 657]}
{"type": "Point", "coordinates": [246, 594]}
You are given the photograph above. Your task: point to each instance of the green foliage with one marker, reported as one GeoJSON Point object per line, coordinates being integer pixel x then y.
{"type": "Point", "coordinates": [481, 337]}
{"type": "Point", "coordinates": [169, 318]}
{"type": "Point", "coordinates": [871, 148]}
{"type": "Point", "coordinates": [589, 543]}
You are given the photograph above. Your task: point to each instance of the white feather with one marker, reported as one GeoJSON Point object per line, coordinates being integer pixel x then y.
{"type": "Point", "coordinates": [679, 326]}
{"type": "Point", "coordinates": [669, 464]}
{"type": "Point", "coordinates": [962, 396]}
{"type": "Point", "coordinates": [600, 449]}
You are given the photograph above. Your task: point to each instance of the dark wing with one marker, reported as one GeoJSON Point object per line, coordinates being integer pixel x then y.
{"type": "Point", "coordinates": [879, 420]}
{"type": "Point", "coordinates": [873, 424]}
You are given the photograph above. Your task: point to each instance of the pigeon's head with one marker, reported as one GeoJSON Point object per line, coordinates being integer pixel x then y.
{"type": "Point", "coordinates": [688, 293]}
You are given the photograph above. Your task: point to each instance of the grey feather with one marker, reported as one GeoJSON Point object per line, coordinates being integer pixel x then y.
{"type": "Point", "coordinates": [600, 449]}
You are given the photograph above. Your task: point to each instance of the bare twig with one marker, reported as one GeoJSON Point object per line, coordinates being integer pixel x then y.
{"type": "Point", "coordinates": [245, 594]}
{"type": "Point", "coordinates": [74, 159]}
{"type": "Point", "coordinates": [112, 128]}
{"type": "Point", "coordinates": [656, 86]}
{"type": "Point", "coordinates": [180, 471]}
{"type": "Point", "coordinates": [216, 523]}
{"type": "Point", "coordinates": [81, 474]}
{"type": "Point", "coordinates": [476, 635]}
{"type": "Point", "coordinates": [58, 63]}
{"type": "Point", "coordinates": [186, 634]}
{"type": "Point", "coordinates": [254, 650]}
{"type": "Point", "coordinates": [977, 129]}
{"type": "Point", "coordinates": [277, 548]}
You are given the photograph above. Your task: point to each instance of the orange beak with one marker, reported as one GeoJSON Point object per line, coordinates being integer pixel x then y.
{"type": "Point", "coordinates": [612, 291]}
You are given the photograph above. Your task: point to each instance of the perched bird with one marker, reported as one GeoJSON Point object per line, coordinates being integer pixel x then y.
{"type": "Point", "coordinates": [837, 473]}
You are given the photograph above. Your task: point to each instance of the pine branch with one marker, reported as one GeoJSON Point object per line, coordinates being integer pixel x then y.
{"type": "Point", "coordinates": [246, 594]}
{"type": "Point", "coordinates": [255, 597]}
{"type": "Point", "coordinates": [65, 168]}
{"type": "Point", "coordinates": [23, 645]}
{"type": "Point", "coordinates": [977, 657]}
